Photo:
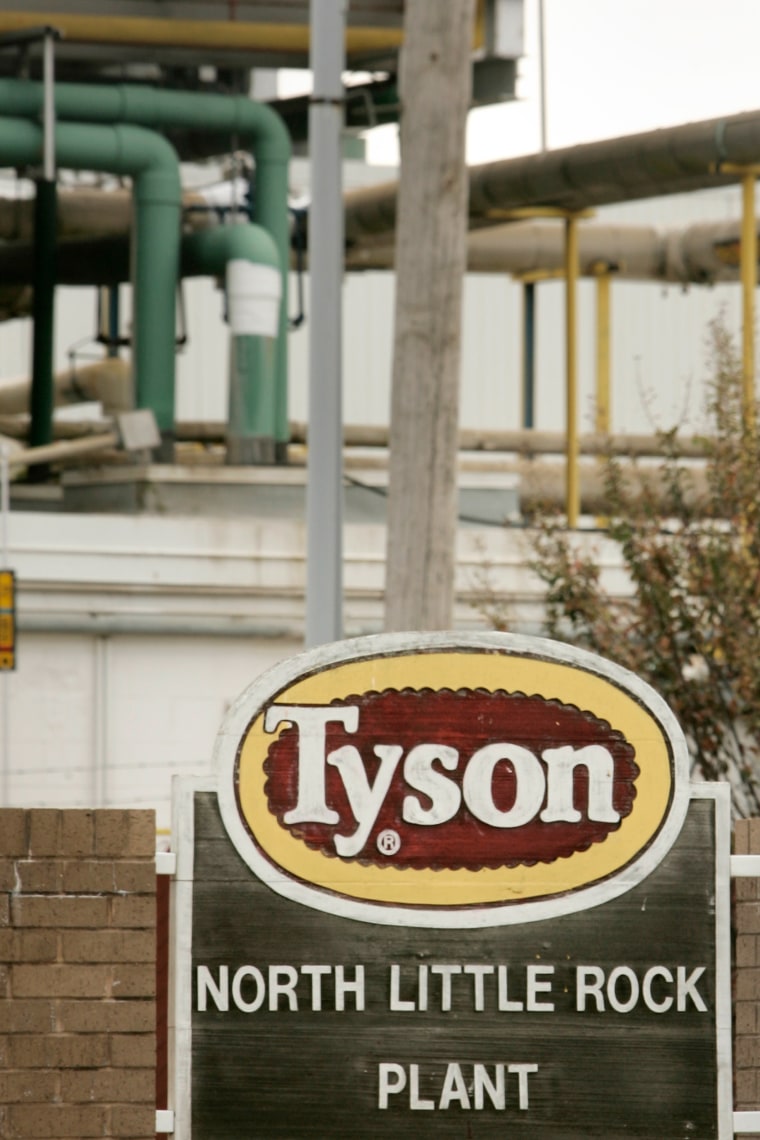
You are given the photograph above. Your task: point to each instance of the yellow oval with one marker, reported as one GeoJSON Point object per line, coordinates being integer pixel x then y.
{"type": "Point", "coordinates": [440, 661]}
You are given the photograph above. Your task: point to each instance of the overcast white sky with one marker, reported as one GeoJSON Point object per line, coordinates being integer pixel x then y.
{"type": "Point", "coordinates": [616, 67]}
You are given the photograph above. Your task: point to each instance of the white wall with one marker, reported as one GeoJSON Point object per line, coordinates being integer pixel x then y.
{"type": "Point", "coordinates": [109, 720]}
{"type": "Point", "coordinates": [110, 699]}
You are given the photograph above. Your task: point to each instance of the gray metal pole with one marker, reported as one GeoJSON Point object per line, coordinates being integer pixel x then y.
{"type": "Point", "coordinates": [45, 246]}
{"type": "Point", "coordinates": [542, 71]}
{"type": "Point", "coordinates": [48, 114]}
{"type": "Point", "coordinates": [324, 493]}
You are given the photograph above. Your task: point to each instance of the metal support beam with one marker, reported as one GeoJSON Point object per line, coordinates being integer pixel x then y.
{"type": "Point", "coordinates": [603, 405]}
{"type": "Point", "coordinates": [529, 355]}
{"type": "Point", "coordinates": [324, 493]}
{"type": "Point", "coordinates": [749, 285]}
{"type": "Point", "coordinates": [572, 481]}
{"type": "Point", "coordinates": [45, 240]}
{"type": "Point", "coordinates": [571, 275]}
{"type": "Point", "coordinates": [748, 272]}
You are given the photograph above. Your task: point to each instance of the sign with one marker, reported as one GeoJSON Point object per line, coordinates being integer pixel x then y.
{"type": "Point", "coordinates": [453, 886]}
{"type": "Point", "coordinates": [7, 620]}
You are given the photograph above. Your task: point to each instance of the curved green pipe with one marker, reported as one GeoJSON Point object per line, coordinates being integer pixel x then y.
{"type": "Point", "coordinates": [153, 165]}
{"type": "Point", "coordinates": [252, 406]}
{"type": "Point", "coordinates": [253, 123]}
{"type": "Point", "coordinates": [207, 252]}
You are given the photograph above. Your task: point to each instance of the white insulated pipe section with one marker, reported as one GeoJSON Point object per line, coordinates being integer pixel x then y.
{"type": "Point", "coordinates": [253, 298]}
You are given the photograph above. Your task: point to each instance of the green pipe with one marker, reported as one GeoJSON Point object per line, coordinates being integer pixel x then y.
{"type": "Point", "coordinates": [208, 252]}
{"type": "Point", "coordinates": [153, 165]}
{"type": "Point", "coordinates": [250, 123]}
{"type": "Point", "coordinates": [253, 304]}
{"type": "Point", "coordinates": [251, 435]}
{"type": "Point", "coordinates": [41, 396]}
{"type": "Point", "coordinates": [251, 401]}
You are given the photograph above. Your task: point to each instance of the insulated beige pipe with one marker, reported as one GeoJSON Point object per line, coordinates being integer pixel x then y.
{"type": "Point", "coordinates": [85, 212]}
{"type": "Point", "coordinates": [108, 381]}
{"type": "Point", "coordinates": [63, 449]}
{"type": "Point", "coordinates": [525, 442]}
{"type": "Point", "coordinates": [679, 159]}
{"type": "Point", "coordinates": [703, 253]}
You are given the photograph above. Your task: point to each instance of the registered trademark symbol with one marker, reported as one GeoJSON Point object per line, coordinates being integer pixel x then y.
{"type": "Point", "coordinates": [388, 842]}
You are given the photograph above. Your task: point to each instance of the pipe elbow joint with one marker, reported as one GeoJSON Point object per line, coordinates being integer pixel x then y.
{"type": "Point", "coordinates": [265, 126]}
{"type": "Point", "coordinates": [152, 160]}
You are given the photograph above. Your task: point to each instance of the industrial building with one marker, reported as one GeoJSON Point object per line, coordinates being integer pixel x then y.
{"type": "Point", "coordinates": [152, 585]}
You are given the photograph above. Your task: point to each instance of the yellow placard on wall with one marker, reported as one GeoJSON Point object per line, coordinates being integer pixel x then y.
{"type": "Point", "coordinates": [7, 620]}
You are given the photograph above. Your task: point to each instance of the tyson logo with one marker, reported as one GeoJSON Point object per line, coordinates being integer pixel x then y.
{"type": "Point", "coordinates": [441, 780]}
{"type": "Point", "coordinates": [444, 779]}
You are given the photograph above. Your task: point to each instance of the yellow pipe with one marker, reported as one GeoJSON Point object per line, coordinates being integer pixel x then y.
{"type": "Point", "coordinates": [480, 25]}
{"type": "Point", "coordinates": [602, 421]}
{"type": "Point", "coordinates": [229, 35]}
{"type": "Point", "coordinates": [572, 481]}
{"type": "Point", "coordinates": [748, 272]}
{"type": "Point", "coordinates": [519, 213]}
{"type": "Point", "coordinates": [534, 276]}
{"type": "Point", "coordinates": [749, 284]}
{"type": "Point", "coordinates": [603, 397]}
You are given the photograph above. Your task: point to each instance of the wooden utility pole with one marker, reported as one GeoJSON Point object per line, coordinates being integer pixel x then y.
{"type": "Point", "coordinates": [431, 228]}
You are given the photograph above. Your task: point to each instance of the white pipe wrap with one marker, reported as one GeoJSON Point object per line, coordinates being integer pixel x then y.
{"type": "Point", "coordinates": [253, 298]}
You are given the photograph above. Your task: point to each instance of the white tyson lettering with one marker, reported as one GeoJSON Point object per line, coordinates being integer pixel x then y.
{"type": "Point", "coordinates": [548, 780]}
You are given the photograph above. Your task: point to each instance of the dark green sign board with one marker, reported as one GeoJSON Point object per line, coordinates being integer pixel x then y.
{"type": "Point", "coordinates": [295, 1020]}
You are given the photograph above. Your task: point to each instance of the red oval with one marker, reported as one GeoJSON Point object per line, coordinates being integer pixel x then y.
{"type": "Point", "coordinates": [466, 720]}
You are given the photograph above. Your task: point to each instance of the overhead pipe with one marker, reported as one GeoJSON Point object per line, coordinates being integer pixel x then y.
{"type": "Point", "coordinates": [240, 37]}
{"type": "Point", "coordinates": [524, 442]}
{"type": "Point", "coordinates": [701, 253]}
{"type": "Point", "coordinates": [153, 165]}
{"type": "Point", "coordinates": [92, 224]}
{"type": "Point", "coordinates": [231, 115]}
{"type": "Point", "coordinates": [89, 212]}
{"type": "Point", "coordinates": [650, 165]}
{"type": "Point", "coordinates": [247, 257]}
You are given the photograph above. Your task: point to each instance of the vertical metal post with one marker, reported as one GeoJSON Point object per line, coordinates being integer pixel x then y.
{"type": "Point", "coordinates": [324, 493]}
{"type": "Point", "coordinates": [109, 318]}
{"type": "Point", "coordinates": [48, 105]}
{"type": "Point", "coordinates": [542, 69]}
{"type": "Point", "coordinates": [572, 483]}
{"type": "Point", "coordinates": [529, 354]}
{"type": "Point", "coordinates": [45, 210]}
{"type": "Point", "coordinates": [602, 423]}
{"type": "Point", "coordinates": [749, 284]}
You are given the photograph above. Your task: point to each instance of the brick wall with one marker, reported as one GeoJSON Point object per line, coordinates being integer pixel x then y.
{"type": "Point", "coordinates": [747, 973]}
{"type": "Point", "coordinates": [78, 974]}
{"type": "Point", "coordinates": [77, 963]}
